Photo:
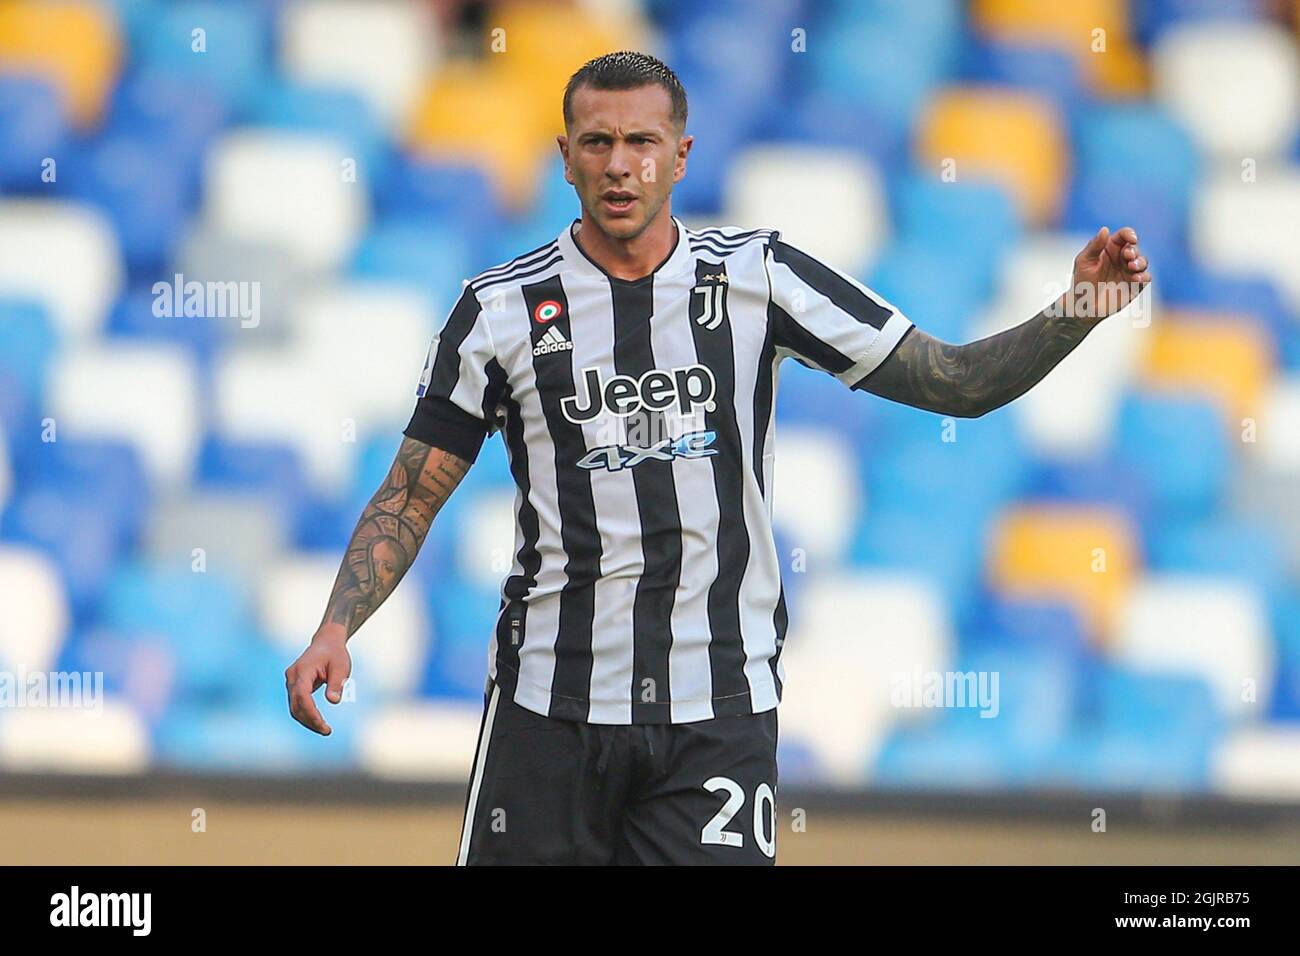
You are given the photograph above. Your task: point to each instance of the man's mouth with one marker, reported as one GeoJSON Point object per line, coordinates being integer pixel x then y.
{"type": "Point", "coordinates": [618, 201]}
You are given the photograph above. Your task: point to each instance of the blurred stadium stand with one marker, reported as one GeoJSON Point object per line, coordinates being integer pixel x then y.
{"type": "Point", "coordinates": [1121, 546]}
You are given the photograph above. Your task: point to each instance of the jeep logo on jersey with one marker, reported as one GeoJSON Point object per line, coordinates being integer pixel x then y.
{"type": "Point", "coordinates": [687, 387]}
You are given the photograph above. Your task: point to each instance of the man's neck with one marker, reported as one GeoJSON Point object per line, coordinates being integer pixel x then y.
{"type": "Point", "coordinates": [629, 259]}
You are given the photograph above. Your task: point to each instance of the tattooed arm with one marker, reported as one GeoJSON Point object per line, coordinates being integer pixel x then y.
{"type": "Point", "coordinates": [384, 544]}
{"type": "Point", "coordinates": [970, 380]}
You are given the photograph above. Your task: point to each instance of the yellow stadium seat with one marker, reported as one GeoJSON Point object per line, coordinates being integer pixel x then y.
{"type": "Point", "coordinates": [1012, 137]}
{"type": "Point", "coordinates": [1085, 556]}
{"type": "Point", "coordinates": [76, 45]}
{"type": "Point", "coordinates": [1228, 357]}
{"type": "Point", "coordinates": [477, 112]}
{"type": "Point", "coordinates": [542, 44]}
{"type": "Point", "coordinates": [1095, 32]}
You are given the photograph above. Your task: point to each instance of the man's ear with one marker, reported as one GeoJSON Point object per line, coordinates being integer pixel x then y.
{"type": "Point", "coordinates": [562, 141]}
{"type": "Point", "coordinates": [679, 166]}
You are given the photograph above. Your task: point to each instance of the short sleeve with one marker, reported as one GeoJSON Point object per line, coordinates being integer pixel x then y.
{"type": "Point", "coordinates": [827, 319]}
{"type": "Point", "coordinates": [460, 384]}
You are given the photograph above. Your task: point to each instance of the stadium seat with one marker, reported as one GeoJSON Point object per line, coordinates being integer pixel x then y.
{"type": "Point", "coordinates": [1277, 445]}
{"type": "Point", "coordinates": [487, 539]}
{"type": "Point", "coordinates": [242, 741]}
{"type": "Point", "coordinates": [364, 344]}
{"type": "Point", "coordinates": [143, 394]}
{"type": "Point", "coordinates": [789, 188]}
{"type": "Point", "coordinates": [1178, 448]}
{"type": "Point", "coordinates": [238, 534]}
{"type": "Point", "coordinates": [1225, 357]}
{"type": "Point", "coordinates": [820, 523]}
{"type": "Point", "coordinates": [1011, 137]}
{"type": "Point", "coordinates": [480, 113]}
{"type": "Point", "coordinates": [421, 740]}
{"type": "Point", "coordinates": [65, 257]}
{"type": "Point", "coordinates": [33, 128]}
{"type": "Point", "coordinates": [864, 632]}
{"type": "Point", "coordinates": [382, 51]}
{"type": "Point", "coordinates": [229, 57]}
{"type": "Point", "coordinates": [140, 188]}
{"type": "Point", "coordinates": [37, 621]}
{"type": "Point", "coordinates": [1071, 28]}
{"type": "Point", "coordinates": [272, 279]}
{"type": "Point", "coordinates": [422, 254]}
{"type": "Point", "coordinates": [1206, 626]}
{"type": "Point", "coordinates": [1247, 228]}
{"type": "Point", "coordinates": [1082, 555]}
{"type": "Point", "coordinates": [109, 739]}
{"type": "Point", "coordinates": [74, 44]}
{"type": "Point", "coordinates": [341, 115]}
{"type": "Point", "coordinates": [1234, 85]}
{"type": "Point", "coordinates": [390, 658]}
{"type": "Point", "coordinates": [288, 189]}
{"type": "Point", "coordinates": [28, 344]}
{"type": "Point", "coordinates": [1250, 551]}
{"type": "Point", "coordinates": [269, 396]}
{"type": "Point", "coordinates": [1258, 763]}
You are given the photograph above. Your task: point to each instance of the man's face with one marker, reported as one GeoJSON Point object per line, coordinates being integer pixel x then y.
{"type": "Point", "coordinates": [623, 153]}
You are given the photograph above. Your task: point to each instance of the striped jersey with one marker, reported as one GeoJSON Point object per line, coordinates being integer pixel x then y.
{"type": "Point", "coordinates": [638, 421]}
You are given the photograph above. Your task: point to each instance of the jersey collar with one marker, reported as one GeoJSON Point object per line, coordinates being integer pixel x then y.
{"type": "Point", "coordinates": [578, 261]}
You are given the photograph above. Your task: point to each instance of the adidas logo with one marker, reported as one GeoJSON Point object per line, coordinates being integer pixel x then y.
{"type": "Point", "coordinates": [552, 341]}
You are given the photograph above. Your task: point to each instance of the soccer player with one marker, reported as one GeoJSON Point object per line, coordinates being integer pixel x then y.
{"type": "Point", "coordinates": [631, 366]}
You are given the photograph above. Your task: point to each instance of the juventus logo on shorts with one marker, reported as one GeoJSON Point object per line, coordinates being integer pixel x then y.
{"type": "Point", "coordinates": [709, 297]}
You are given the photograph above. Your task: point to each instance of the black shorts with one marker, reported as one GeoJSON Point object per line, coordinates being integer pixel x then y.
{"type": "Point", "coordinates": [547, 791]}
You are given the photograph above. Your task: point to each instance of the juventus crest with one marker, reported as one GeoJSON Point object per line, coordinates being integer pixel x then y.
{"type": "Point", "coordinates": [709, 297]}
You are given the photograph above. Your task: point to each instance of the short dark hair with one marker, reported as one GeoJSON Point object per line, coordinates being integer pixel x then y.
{"type": "Point", "coordinates": [627, 70]}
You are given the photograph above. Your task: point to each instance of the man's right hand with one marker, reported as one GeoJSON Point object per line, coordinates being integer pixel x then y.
{"type": "Point", "coordinates": [325, 661]}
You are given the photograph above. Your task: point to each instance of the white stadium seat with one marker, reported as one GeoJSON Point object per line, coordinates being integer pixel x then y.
{"type": "Point", "coordinates": [420, 741]}
{"type": "Point", "coordinates": [1261, 763]}
{"type": "Point", "coordinates": [366, 344]}
{"type": "Point", "coordinates": [790, 187]}
{"type": "Point", "coordinates": [1201, 626]}
{"type": "Point", "coordinates": [1249, 228]}
{"type": "Point", "coordinates": [64, 255]}
{"type": "Point", "coordinates": [111, 739]}
{"type": "Point", "coordinates": [384, 50]}
{"type": "Point", "coordinates": [273, 395]}
{"type": "Point", "coordinates": [144, 394]}
{"type": "Point", "coordinates": [35, 622]}
{"type": "Point", "coordinates": [287, 188]}
{"type": "Point", "coordinates": [388, 654]}
{"type": "Point", "coordinates": [242, 534]}
{"type": "Point", "coordinates": [486, 553]}
{"type": "Point", "coordinates": [815, 491]}
{"type": "Point", "coordinates": [1277, 442]}
{"type": "Point", "coordinates": [1234, 85]}
{"type": "Point", "coordinates": [856, 634]}
{"type": "Point", "coordinates": [1071, 412]}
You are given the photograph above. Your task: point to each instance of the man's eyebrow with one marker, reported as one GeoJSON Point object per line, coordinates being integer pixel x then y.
{"type": "Point", "coordinates": [591, 134]}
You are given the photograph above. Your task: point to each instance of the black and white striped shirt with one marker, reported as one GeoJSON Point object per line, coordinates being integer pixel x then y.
{"type": "Point", "coordinates": [638, 419]}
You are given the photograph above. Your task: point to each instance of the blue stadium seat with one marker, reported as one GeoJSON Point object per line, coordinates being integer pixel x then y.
{"type": "Point", "coordinates": [339, 113]}
{"type": "Point", "coordinates": [453, 195]}
{"type": "Point", "coordinates": [464, 616]}
{"type": "Point", "coordinates": [1222, 545]}
{"type": "Point", "coordinates": [969, 223]}
{"type": "Point", "coordinates": [206, 619]}
{"type": "Point", "coordinates": [905, 275]}
{"type": "Point", "coordinates": [140, 189]}
{"type": "Point", "coordinates": [1177, 448]}
{"type": "Point", "coordinates": [33, 127]}
{"type": "Point", "coordinates": [132, 317]}
{"type": "Point", "coordinates": [1285, 615]}
{"type": "Point", "coordinates": [195, 737]}
{"type": "Point", "coordinates": [28, 342]}
{"type": "Point", "coordinates": [1052, 73]}
{"type": "Point", "coordinates": [420, 252]}
{"type": "Point", "coordinates": [237, 40]}
{"type": "Point", "coordinates": [1153, 17]}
